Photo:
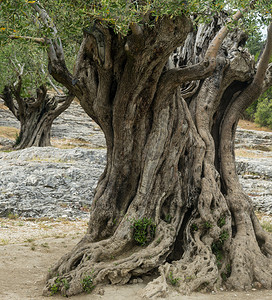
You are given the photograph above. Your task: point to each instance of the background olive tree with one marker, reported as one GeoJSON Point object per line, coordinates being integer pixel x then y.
{"type": "Point", "coordinates": [27, 88]}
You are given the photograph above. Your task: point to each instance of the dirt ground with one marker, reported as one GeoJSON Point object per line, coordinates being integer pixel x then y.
{"type": "Point", "coordinates": [29, 247]}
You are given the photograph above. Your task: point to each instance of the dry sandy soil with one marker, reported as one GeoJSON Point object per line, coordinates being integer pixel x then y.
{"type": "Point", "coordinates": [29, 247]}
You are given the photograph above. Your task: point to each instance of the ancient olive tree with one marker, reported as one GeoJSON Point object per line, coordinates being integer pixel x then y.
{"type": "Point", "coordinates": [35, 114]}
{"type": "Point", "coordinates": [167, 91]}
{"type": "Point", "coordinates": [24, 89]}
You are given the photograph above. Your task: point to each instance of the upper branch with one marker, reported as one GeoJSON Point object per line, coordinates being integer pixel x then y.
{"type": "Point", "coordinates": [264, 60]}
{"type": "Point", "coordinates": [175, 77]}
{"type": "Point", "coordinates": [258, 85]}
{"type": "Point", "coordinates": [57, 66]}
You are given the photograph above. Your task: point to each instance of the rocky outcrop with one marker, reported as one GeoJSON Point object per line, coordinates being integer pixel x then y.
{"type": "Point", "coordinates": [49, 182]}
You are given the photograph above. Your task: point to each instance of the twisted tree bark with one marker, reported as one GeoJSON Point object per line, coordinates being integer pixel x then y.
{"type": "Point", "coordinates": [170, 177]}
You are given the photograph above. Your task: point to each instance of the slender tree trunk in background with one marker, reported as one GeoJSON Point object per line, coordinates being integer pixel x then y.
{"type": "Point", "coordinates": [170, 160]}
{"type": "Point", "coordinates": [35, 115]}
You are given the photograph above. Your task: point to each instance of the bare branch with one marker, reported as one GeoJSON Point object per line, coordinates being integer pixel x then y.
{"type": "Point", "coordinates": [30, 38]}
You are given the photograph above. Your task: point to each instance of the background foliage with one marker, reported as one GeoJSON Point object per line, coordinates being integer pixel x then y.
{"type": "Point", "coordinates": [261, 110]}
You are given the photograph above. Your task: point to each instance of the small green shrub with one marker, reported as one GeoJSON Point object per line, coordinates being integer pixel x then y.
{"type": "Point", "coordinates": [223, 236]}
{"type": "Point", "coordinates": [217, 247]}
{"type": "Point", "coordinates": [87, 283]}
{"type": "Point", "coordinates": [65, 283]}
{"type": "Point", "coordinates": [168, 218]}
{"type": "Point", "coordinates": [58, 284]}
{"type": "Point", "coordinates": [55, 287]}
{"type": "Point", "coordinates": [143, 230]}
{"type": "Point", "coordinates": [226, 273]}
{"type": "Point", "coordinates": [174, 281]}
{"type": "Point", "coordinates": [17, 139]}
{"type": "Point", "coordinates": [221, 222]}
{"type": "Point", "coordinates": [194, 227]}
{"type": "Point", "coordinates": [208, 225]}
{"type": "Point", "coordinates": [267, 226]}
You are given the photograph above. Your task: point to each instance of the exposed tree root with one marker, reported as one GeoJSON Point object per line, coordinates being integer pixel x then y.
{"type": "Point", "coordinates": [109, 261]}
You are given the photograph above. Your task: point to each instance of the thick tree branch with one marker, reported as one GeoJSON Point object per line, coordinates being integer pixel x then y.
{"type": "Point", "coordinates": [41, 96]}
{"type": "Point", "coordinates": [9, 102]}
{"type": "Point", "coordinates": [256, 88]}
{"type": "Point", "coordinates": [264, 60]}
{"type": "Point", "coordinates": [233, 113]}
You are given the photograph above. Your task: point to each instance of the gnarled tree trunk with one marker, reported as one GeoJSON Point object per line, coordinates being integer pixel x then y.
{"type": "Point", "coordinates": [36, 116]}
{"type": "Point", "coordinates": [170, 163]}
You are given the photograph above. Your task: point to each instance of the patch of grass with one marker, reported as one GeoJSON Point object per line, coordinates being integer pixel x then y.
{"type": "Point", "coordinates": [267, 226]}
{"type": "Point", "coordinates": [45, 245]}
{"type": "Point", "coordinates": [29, 240]}
{"type": "Point", "coordinates": [8, 132]}
{"type": "Point", "coordinates": [226, 274]}
{"type": "Point", "coordinates": [4, 242]}
{"type": "Point", "coordinates": [252, 126]}
{"type": "Point", "coordinates": [143, 230]}
{"type": "Point", "coordinates": [12, 216]}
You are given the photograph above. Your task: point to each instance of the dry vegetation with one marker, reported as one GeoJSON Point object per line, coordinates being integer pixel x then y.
{"type": "Point", "coordinates": [8, 132]}
{"type": "Point", "coordinates": [252, 126]}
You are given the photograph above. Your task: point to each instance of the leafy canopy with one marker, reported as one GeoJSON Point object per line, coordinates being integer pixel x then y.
{"type": "Point", "coordinates": [71, 16]}
{"type": "Point", "coordinates": [19, 18]}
